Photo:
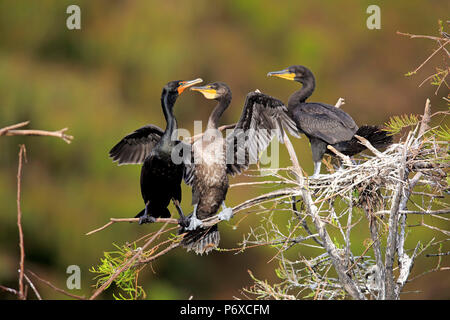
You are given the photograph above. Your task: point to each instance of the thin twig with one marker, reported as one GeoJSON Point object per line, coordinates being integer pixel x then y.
{"type": "Point", "coordinates": [114, 220]}
{"type": "Point", "coordinates": [32, 287]}
{"type": "Point", "coordinates": [10, 290]}
{"type": "Point", "coordinates": [368, 145]}
{"type": "Point", "coordinates": [162, 252]}
{"type": "Point", "coordinates": [412, 36]}
{"type": "Point", "coordinates": [48, 283]}
{"type": "Point", "coordinates": [340, 103]}
{"type": "Point", "coordinates": [437, 254]}
{"type": "Point", "coordinates": [424, 125]}
{"type": "Point", "coordinates": [14, 126]}
{"type": "Point", "coordinates": [345, 158]}
{"type": "Point", "coordinates": [22, 153]}
{"type": "Point", "coordinates": [209, 221]}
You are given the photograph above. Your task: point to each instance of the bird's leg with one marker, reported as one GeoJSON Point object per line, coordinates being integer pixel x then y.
{"type": "Point", "coordinates": [318, 148]}
{"type": "Point", "coordinates": [317, 165]}
{"type": "Point", "coordinates": [183, 221]}
{"type": "Point", "coordinates": [146, 218]}
{"type": "Point", "coordinates": [194, 223]}
{"type": "Point", "coordinates": [226, 213]}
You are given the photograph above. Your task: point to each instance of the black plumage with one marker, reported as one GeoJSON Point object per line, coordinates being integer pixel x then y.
{"type": "Point", "coordinates": [215, 158]}
{"type": "Point", "coordinates": [161, 177]}
{"type": "Point", "coordinates": [325, 124]}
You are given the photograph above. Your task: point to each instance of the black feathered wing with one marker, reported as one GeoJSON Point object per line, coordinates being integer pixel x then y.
{"type": "Point", "coordinates": [325, 122]}
{"type": "Point", "coordinates": [135, 147]}
{"type": "Point", "coordinates": [262, 118]}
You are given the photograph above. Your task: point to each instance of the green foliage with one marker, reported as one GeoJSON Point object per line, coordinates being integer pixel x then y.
{"type": "Point", "coordinates": [397, 123]}
{"type": "Point", "coordinates": [439, 77]}
{"type": "Point", "coordinates": [126, 281]}
{"type": "Point", "coordinates": [442, 132]}
{"type": "Point", "coordinates": [336, 242]}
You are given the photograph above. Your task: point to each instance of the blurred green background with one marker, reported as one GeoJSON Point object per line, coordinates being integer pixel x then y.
{"type": "Point", "coordinates": [105, 80]}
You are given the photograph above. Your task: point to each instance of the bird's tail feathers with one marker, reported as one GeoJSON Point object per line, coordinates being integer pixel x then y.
{"type": "Point", "coordinates": [374, 134]}
{"type": "Point", "coordinates": [201, 240]}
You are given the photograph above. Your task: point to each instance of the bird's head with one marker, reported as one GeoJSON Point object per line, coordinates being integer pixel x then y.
{"type": "Point", "coordinates": [294, 73]}
{"type": "Point", "coordinates": [216, 90]}
{"type": "Point", "coordinates": [177, 87]}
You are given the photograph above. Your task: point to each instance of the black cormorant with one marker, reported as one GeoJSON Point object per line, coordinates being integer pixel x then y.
{"type": "Point", "coordinates": [160, 176]}
{"type": "Point", "coordinates": [214, 158]}
{"type": "Point", "coordinates": [325, 124]}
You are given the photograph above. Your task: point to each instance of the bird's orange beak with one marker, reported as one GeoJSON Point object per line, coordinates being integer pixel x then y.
{"type": "Point", "coordinates": [186, 84]}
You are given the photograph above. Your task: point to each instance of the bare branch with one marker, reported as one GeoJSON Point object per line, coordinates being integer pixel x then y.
{"type": "Point", "coordinates": [12, 131]}
{"type": "Point", "coordinates": [115, 220]}
{"type": "Point", "coordinates": [311, 210]}
{"type": "Point", "coordinates": [340, 103]}
{"type": "Point", "coordinates": [22, 153]}
{"type": "Point", "coordinates": [48, 283]}
{"type": "Point", "coordinates": [32, 287]}
{"type": "Point", "coordinates": [209, 221]}
{"type": "Point", "coordinates": [345, 158]}
{"type": "Point", "coordinates": [14, 126]}
{"type": "Point", "coordinates": [426, 118]}
{"type": "Point", "coordinates": [10, 290]}
{"type": "Point", "coordinates": [368, 145]}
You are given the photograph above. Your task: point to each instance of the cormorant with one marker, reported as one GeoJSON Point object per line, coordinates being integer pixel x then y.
{"type": "Point", "coordinates": [160, 176]}
{"type": "Point", "coordinates": [325, 124]}
{"type": "Point", "coordinates": [214, 158]}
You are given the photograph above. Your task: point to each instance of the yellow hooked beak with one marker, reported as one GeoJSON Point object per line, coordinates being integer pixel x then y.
{"type": "Point", "coordinates": [285, 74]}
{"type": "Point", "coordinates": [186, 84]}
{"type": "Point", "coordinates": [207, 91]}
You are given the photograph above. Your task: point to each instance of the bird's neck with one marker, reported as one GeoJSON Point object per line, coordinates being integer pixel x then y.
{"type": "Point", "coordinates": [303, 93]}
{"type": "Point", "coordinates": [167, 103]}
{"type": "Point", "coordinates": [213, 120]}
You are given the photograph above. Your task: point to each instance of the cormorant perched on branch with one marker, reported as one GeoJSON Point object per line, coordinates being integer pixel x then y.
{"type": "Point", "coordinates": [160, 176]}
{"type": "Point", "coordinates": [214, 158]}
{"type": "Point", "coordinates": [324, 124]}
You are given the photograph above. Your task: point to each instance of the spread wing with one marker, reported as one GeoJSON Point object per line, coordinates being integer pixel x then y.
{"type": "Point", "coordinates": [326, 122]}
{"type": "Point", "coordinates": [262, 118]}
{"type": "Point", "coordinates": [135, 147]}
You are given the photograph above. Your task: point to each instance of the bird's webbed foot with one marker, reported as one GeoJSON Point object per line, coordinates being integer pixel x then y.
{"type": "Point", "coordinates": [194, 223]}
{"type": "Point", "coordinates": [226, 213]}
{"type": "Point", "coordinates": [146, 219]}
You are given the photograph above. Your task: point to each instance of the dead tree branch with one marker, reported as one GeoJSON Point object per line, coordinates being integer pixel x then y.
{"type": "Point", "coordinates": [13, 131]}
{"type": "Point", "coordinates": [22, 153]}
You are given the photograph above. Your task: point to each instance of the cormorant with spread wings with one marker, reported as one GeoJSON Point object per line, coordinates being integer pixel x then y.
{"type": "Point", "coordinates": [214, 158]}
{"type": "Point", "coordinates": [161, 177]}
